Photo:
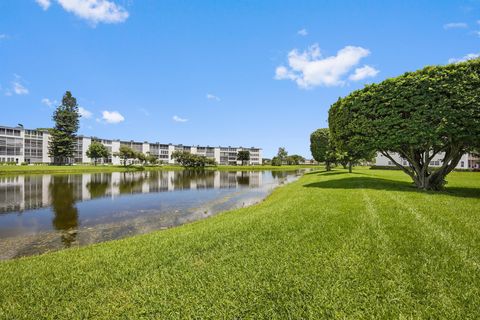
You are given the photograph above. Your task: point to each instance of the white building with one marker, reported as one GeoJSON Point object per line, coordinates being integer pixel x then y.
{"type": "Point", "coordinates": [19, 145]}
{"type": "Point", "coordinates": [468, 161]}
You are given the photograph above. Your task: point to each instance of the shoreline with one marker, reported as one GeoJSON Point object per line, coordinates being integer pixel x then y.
{"type": "Point", "coordinates": [191, 215]}
{"type": "Point", "coordinates": [79, 169]}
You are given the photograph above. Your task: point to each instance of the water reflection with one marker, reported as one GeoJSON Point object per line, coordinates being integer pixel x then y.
{"type": "Point", "coordinates": [31, 192]}
{"type": "Point", "coordinates": [65, 218]}
{"type": "Point", "coordinates": [40, 213]}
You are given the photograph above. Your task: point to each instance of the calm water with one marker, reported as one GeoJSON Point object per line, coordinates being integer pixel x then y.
{"type": "Point", "coordinates": [40, 213]}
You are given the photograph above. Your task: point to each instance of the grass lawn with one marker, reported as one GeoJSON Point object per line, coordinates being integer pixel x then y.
{"type": "Point", "coordinates": [45, 169]}
{"type": "Point", "coordinates": [330, 245]}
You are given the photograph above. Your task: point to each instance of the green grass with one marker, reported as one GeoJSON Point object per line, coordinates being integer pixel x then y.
{"type": "Point", "coordinates": [45, 169]}
{"type": "Point", "coordinates": [330, 245]}
{"type": "Point", "coordinates": [265, 167]}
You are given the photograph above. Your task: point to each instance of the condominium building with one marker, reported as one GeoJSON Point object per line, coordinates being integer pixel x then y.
{"type": "Point", "coordinates": [19, 145]}
{"type": "Point", "coordinates": [468, 161]}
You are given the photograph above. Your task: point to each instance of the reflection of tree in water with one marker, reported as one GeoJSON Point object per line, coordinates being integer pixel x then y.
{"type": "Point", "coordinates": [280, 174]}
{"type": "Point", "coordinates": [243, 179]}
{"type": "Point", "coordinates": [202, 178]}
{"type": "Point", "coordinates": [132, 182]}
{"type": "Point", "coordinates": [99, 184]}
{"type": "Point", "coordinates": [63, 206]}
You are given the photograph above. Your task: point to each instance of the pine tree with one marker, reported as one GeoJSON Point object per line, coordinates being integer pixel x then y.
{"type": "Point", "coordinates": [63, 135]}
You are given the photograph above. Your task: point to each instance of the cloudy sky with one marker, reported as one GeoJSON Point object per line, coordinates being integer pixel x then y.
{"type": "Point", "coordinates": [246, 72]}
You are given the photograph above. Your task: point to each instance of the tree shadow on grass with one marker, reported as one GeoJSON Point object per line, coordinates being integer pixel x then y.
{"type": "Point", "coordinates": [330, 173]}
{"type": "Point", "coordinates": [390, 185]}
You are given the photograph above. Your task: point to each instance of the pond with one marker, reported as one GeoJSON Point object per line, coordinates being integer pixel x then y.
{"type": "Point", "coordinates": [40, 213]}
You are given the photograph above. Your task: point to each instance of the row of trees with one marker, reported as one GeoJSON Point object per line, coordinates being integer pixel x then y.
{"type": "Point", "coordinates": [324, 149]}
{"type": "Point", "coordinates": [97, 151]}
{"type": "Point", "coordinates": [282, 157]}
{"type": "Point", "coordinates": [433, 111]}
{"type": "Point", "coordinates": [63, 136]}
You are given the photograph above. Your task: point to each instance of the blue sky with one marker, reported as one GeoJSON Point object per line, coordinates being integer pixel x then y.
{"type": "Point", "coordinates": [246, 72]}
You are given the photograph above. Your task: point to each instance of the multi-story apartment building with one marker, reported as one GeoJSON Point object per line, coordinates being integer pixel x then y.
{"type": "Point", "coordinates": [21, 145]}
{"type": "Point", "coordinates": [12, 142]}
{"type": "Point", "coordinates": [468, 161]}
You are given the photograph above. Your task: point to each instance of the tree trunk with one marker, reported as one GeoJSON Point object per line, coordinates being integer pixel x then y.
{"type": "Point", "coordinates": [423, 177]}
{"type": "Point", "coordinates": [328, 166]}
{"type": "Point", "coordinates": [350, 166]}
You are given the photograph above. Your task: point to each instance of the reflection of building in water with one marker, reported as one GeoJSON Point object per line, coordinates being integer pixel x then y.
{"type": "Point", "coordinates": [31, 192]}
{"type": "Point", "coordinates": [11, 194]}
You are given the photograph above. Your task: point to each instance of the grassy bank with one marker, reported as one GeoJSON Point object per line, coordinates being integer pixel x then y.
{"type": "Point", "coordinates": [333, 245]}
{"type": "Point", "coordinates": [265, 167]}
{"type": "Point", "coordinates": [44, 169]}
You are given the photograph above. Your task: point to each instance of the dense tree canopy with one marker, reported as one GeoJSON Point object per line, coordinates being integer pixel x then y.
{"type": "Point", "coordinates": [243, 155]}
{"type": "Point", "coordinates": [151, 159]}
{"type": "Point", "coordinates": [66, 118]}
{"type": "Point", "coordinates": [96, 151]}
{"type": "Point", "coordinates": [321, 147]}
{"type": "Point", "coordinates": [280, 158]}
{"type": "Point", "coordinates": [125, 153]}
{"type": "Point", "coordinates": [295, 159]}
{"type": "Point", "coordinates": [433, 111]}
{"type": "Point", "coordinates": [189, 160]}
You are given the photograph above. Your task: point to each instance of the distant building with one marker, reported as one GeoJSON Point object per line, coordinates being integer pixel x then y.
{"type": "Point", "coordinates": [19, 145]}
{"type": "Point", "coordinates": [468, 161]}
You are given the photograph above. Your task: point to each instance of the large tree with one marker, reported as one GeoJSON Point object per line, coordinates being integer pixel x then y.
{"type": "Point", "coordinates": [66, 117]}
{"type": "Point", "coordinates": [321, 147]}
{"type": "Point", "coordinates": [432, 112]}
{"type": "Point", "coordinates": [125, 153]}
{"type": "Point", "coordinates": [189, 160]}
{"type": "Point", "coordinates": [243, 155]}
{"type": "Point", "coordinates": [280, 158]}
{"type": "Point", "coordinates": [295, 159]}
{"type": "Point", "coordinates": [96, 151]}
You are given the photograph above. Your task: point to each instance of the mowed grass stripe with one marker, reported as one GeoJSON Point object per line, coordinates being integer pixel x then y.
{"type": "Point", "coordinates": [331, 245]}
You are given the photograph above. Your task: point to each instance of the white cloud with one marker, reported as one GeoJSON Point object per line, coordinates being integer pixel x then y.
{"type": "Point", "coordinates": [49, 103]}
{"type": "Point", "coordinates": [18, 88]}
{"type": "Point", "coordinates": [310, 69]}
{"type": "Point", "coordinates": [364, 72]}
{"type": "Point", "coordinates": [112, 117]}
{"type": "Point", "coordinates": [302, 32]}
{"type": "Point", "coordinates": [178, 119]}
{"type": "Point", "coordinates": [455, 25]}
{"type": "Point", "coordinates": [210, 96]}
{"type": "Point", "coordinates": [94, 11]}
{"type": "Point", "coordinates": [45, 4]}
{"type": "Point", "coordinates": [469, 56]}
{"type": "Point", "coordinates": [84, 113]}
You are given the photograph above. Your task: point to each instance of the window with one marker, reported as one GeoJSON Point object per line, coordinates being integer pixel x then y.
{"type": "Point", "coordinates": [462, 164]}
